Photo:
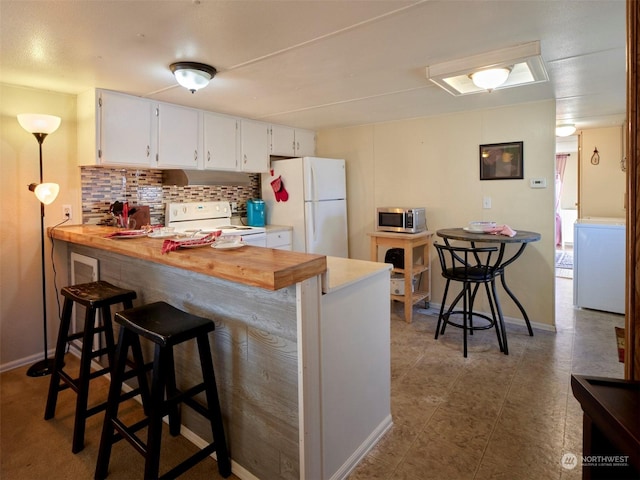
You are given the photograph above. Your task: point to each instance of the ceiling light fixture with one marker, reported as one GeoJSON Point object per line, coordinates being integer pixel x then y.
{"type": "Point", "coordinates": [565, 130]}
{"type": "Point", "coordinates": [523, 63]}
{"type": "Point", "coordinates": [491, 78]}
{"type": "Point", "coordinates": [192, 75]}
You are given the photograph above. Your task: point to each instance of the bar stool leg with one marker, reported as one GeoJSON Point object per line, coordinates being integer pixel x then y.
{"type": "Point", "coordinates": [213, 404]}
{"type": "Point", "coordinates": [83, 380]}
{"type": "Point", "coordinates": [444, 300]}
{"type": "Point", "coordinates": [154, 433]}
{"type": "Point", "coordinates": [175, 416]}
{"type": "Point", "coordinates": [58, 362]}
{"type": "Point", "coordinates": [111, 412]}
{"type": "Point", "coordinates": [143, 383]}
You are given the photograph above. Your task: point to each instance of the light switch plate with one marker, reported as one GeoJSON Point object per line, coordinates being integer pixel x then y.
{"type": "Point", "coordinates": [538, 183]}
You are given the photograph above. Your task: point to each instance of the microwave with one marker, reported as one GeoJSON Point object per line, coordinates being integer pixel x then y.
{"type": "Point", "coordinates": [401, 220]}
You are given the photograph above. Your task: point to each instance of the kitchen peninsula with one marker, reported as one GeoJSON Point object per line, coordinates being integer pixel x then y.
{"type": "Point", "coordinates": [301, 346]}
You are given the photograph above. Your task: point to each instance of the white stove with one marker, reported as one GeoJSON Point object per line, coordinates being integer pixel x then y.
{"type": "Point", "coordinates": [211, 216]}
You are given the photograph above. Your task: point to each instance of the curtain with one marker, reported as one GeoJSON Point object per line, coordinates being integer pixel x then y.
{"type": "Point", "coordinates": [561, 163]}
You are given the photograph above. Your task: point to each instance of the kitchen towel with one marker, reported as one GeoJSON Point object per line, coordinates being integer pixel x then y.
{"type": "Point", "coordinates": [173, 245]}
{"type": "Point", "coordinates": [502, 230]}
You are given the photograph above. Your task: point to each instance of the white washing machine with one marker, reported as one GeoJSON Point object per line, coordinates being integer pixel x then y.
{"type": "Point", "coordinates": [599, 264]}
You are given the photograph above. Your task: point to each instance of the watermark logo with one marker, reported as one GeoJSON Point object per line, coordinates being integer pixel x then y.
{"type": "Point", "coordinates": [569, 461]}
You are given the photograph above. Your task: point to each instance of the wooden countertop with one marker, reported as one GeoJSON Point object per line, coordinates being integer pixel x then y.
{"type": "Point", "coordinates": [255, 266]}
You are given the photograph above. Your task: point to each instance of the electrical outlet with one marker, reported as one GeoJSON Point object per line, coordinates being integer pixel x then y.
{"type": "Point", "coordinates": [486, 202]}
{"type": "Point", "coordinates": [234, 207]}
{"type": "Point", "coordinates": [66, 211]}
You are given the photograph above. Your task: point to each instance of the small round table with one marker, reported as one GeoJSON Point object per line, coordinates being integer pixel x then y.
{"type": "Point", "coordinates": [522, 237]}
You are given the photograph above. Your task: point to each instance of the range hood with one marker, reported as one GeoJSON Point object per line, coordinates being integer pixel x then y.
{"type": "Point", "coordinates": [182, 178]}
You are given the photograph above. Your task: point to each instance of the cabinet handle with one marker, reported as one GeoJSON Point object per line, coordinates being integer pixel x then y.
{"type": "Point", "coordinates": [148, 151]}
{"type": "Point", "coordinates": [195, 155]}
{"type": "Point", "coordinates": [245, 158]}
{"type": "Point", "coordinates": [208, 155]}
{"type": "Point", "coordinates": [297, 146]}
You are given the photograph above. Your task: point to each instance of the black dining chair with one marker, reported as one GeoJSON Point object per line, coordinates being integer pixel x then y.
{"type": "Point", "coordinates": [472, 267]}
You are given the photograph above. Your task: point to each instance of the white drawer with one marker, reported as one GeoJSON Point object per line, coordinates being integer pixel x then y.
{"type": "Point", "coordinates": [279, 239]}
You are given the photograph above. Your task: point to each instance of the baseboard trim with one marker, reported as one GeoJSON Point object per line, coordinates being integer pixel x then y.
{"type": "Point", "coordinates": [357, 456]}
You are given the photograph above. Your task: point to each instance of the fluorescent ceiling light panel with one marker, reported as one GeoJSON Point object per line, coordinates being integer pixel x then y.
{"type": "Point", "coordinates": [524, 60]}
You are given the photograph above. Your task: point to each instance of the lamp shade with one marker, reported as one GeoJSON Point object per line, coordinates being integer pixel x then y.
{"type": "Point", "coordinates": [45, 192]}
{"type": "Point", "coordinates": [39, 123]}
{"type": "Point", "coordinates": [191, 75]}
{"type": "Point", "coordinates": [565, 130]}
{"type": "Point", "coordinates": [491, 78]}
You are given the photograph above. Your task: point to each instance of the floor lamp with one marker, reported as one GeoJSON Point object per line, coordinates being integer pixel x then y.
{"type": "Point", "coordinates": [41, 126]}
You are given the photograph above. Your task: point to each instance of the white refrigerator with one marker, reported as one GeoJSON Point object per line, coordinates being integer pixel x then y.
{"type": "Point", "coordinates": [316, 206]}
{"type": "Point", "coordinates": [599, 264]}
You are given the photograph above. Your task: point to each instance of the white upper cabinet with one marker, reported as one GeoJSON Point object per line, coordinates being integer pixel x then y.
{"type": "Point", "coordinates": [254, 139]}
{"type": "Point", "coordinates": [283, 141]}
{"type": "Point", "coordinates": [114, 129]}
{"type": "Point", "coordinates": [124, 130]}
{"type": "Point", "coordinates": [221, 142]}
{"type": "Point", "coordinates": [178, 137]}
{"type": "Point", "coordinates": [305, 143]}
{"type": "Point", "coordinates": [292, 142]}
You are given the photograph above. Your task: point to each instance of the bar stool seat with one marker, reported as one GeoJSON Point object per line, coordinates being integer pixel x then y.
{"type": "Point", "coordinates": [94, 296]}
{"type": "Point", "coordinates": [165, 326]}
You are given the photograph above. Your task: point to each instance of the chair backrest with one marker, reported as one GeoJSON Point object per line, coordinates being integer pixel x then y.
{"type": "Point", "coordinates": [467, 264]}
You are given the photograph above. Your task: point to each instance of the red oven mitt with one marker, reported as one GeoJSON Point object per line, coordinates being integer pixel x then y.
{"type": "Point", "coordinates": [279, 191]}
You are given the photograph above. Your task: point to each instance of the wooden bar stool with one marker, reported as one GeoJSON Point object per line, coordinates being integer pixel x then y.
{"type": "Point", "coordinates": [165, 326]}
{"type": "Point", "coordinates": [93, 296]}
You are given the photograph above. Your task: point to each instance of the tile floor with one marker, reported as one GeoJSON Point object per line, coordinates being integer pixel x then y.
{"type": "Point", "coordinates": [490, 416]}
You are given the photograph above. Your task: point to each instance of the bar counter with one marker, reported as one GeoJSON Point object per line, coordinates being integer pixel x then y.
{"type": "Point", "coordinates": [259, 267]}
{"type": "Point", "coordinates": [301, 347]}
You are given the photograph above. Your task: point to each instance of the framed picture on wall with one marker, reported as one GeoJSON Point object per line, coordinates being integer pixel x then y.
{"type": "Point", "coordinates": [501, 161]}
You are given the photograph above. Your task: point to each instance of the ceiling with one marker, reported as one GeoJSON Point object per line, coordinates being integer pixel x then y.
{"type": "Point", "coordinates": [318, 64]}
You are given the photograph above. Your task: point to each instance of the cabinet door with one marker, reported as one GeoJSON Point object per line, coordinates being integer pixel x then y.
{"type": "Point", "coordinates": [124, 136]}
{"type": "Point", "coordinates": [255, 146]}
{"type": "Point", "coordinates": [305, 143]}
{"type": "Point", "coordinates": [221, 138]}
{"type": "Point", "coordinates": [178, 136]}
{"type": "Point", "coordinates": [280, 240]}
{"type": "Point", "coordinates": [282, 141]}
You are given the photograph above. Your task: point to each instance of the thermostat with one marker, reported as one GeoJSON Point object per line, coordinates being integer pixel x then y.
{"type": "Point", "coordinates": [538, 183]}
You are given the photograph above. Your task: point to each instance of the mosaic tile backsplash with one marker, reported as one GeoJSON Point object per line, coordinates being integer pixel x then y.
{"type": "Point", "coordinates": [102, 186]}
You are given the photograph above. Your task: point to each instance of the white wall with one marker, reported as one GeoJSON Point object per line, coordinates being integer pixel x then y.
{"type": "Point", "coordinates": [433, 162]}
{"type": "Point", "coordinates": [21, 332]}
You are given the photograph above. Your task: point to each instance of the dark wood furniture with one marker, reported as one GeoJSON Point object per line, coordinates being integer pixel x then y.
{"type": "Point", "coordinates": [94, 297]}
{"type": "Point", "coordinates": [165, 326]}
{"type": "Point", "coordinates": [611, 427]}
